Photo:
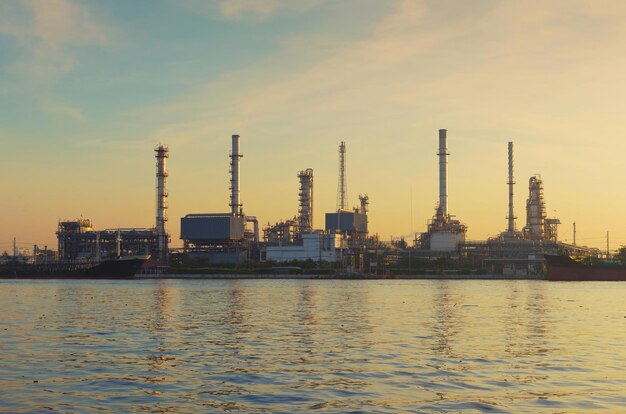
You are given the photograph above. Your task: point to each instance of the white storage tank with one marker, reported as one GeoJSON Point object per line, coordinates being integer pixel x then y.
{"type": "Point", "coordinates": [446, 241]}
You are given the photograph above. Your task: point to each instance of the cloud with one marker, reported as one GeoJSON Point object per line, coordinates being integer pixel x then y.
{"type": "Point", "coordinates": [46, 31]}
{"type": "Point", "coordinates": [532, 71]}
{"type": "Point", "coordinates": [260, 9]}
{"type": "Point", "coordinates": [66, 111]}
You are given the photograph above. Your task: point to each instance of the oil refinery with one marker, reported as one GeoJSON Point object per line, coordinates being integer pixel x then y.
{"type": "Point", "coordinates": [340, 243]}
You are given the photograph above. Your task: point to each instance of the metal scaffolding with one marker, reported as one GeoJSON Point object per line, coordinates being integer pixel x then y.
{"type": "Point", "coordinates": [305, 197]}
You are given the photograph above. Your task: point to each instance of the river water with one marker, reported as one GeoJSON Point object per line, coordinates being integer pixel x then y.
{"type": "Point", "coordinates": [312, 345]}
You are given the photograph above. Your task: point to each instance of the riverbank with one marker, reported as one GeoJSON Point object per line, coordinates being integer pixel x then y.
{"type": "Point", "coordinates": [356, 276]}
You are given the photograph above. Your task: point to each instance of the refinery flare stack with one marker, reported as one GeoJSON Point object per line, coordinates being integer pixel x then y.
{"type": "Point", "coordinates": [445, 234]}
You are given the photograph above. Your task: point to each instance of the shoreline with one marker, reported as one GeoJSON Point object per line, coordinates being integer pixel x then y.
{"type": "Point", "coordinates": [267, 276]}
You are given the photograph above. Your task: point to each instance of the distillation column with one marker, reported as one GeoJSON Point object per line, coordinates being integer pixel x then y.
{"type": "Point", "coordinates": [443, 172]}
{"type": "Point", "coordinates": [235, 158]}
{"type": "Point", "coordinates": [162, 153]}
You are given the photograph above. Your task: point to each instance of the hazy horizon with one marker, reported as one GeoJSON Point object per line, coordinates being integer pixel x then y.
{"type": "Point", "coordinates": [89, 88]}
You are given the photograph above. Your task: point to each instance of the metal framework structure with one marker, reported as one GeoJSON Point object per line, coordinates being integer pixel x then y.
{"type": "Point", "coordinates": [78, 240]}
{"type": "Point", "coordinates": [364, 199]}
{"type": "Point", "coordinates": [342, 187]}
{"type": "Point", "coordinates": [282, 232]}
{"type": "Point", "coordinates": [535, 210]}
{"type": "Point", "coordinates": [305, 197]}
{"type": "Point", "coordinates": [162, 153]}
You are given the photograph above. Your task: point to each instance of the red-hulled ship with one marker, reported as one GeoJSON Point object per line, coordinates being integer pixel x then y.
{"type": "Point", "coordinates": [564, 268]}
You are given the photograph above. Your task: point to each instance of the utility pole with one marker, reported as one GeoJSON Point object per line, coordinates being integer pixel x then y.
{"type": "Point", "coordinates": [14, 248]}
{"type": "Point", "coordinates": [607, 244]}
{"type": "Point", "coordinates": [574, 233]}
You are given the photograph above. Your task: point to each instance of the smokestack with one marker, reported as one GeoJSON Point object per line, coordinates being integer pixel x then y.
{"type": "Point", "coordinates": [162, 152]}
{"type": "Point", "coordinates": [443, 171]}
{"type": "Point", "coordinates": [235, 157]}
{"type": "Point", "coordinates": [511, 217]}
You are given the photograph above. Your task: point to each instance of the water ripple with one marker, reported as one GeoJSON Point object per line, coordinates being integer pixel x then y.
{"type": "Point", "coordinates": [323, 346]}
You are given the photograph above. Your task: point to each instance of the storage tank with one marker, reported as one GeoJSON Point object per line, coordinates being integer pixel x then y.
{"type": "Point", "coordinates": [446, 241]}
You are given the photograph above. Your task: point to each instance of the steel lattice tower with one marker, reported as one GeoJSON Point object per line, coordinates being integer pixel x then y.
{"type": "Point", "coordinates": [305, 197]}
{"type": "Point", "coordinates": [342, 187]}
{"type": "Point", "coordinates": [162, 152]}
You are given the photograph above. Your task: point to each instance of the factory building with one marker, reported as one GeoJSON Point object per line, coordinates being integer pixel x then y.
{"type": "Point", "coordinates": [296, 239]}
{"type": "Point", "coordinates": [352, 223]}
{"type": "Point", "coordinates": [291, 231]}
{"type": "Point", "coordinates": [312, 246]}
{"type": "Point", "coordinates": [222, 237]}
{"type": "Point", "coordinates": [78, 240]}
{"type": "Point", "coordinates": [345, 230]}
{"type": "Point", "coordinates": [520, 253]}
{"type": "Point", "coordinates": [444, 234]}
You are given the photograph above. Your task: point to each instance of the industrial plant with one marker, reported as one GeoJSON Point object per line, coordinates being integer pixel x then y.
{"type": "Point", "coordinates": [340, 243]}
{"type": "Point", "coordinates": [78, 240]}
{"type": "Point", "coordinates": [220, 238]}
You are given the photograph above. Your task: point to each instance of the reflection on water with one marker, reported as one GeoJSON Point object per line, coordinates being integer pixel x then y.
{"type": "Point", "coordinates": [289, 346]}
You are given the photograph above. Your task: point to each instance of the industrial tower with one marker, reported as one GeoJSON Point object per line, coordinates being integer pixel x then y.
{"type": "Point", "coordinates": [342, 187]}
{"type": "Point", "coordinates": [535, 210]}
{"type": "Point", "coordinates": [162, 153]}
{"type": "Point", "coordinates": [305, 197]}
{"type": "Point", "coordinates": [511, 217]}
{"type": "Point", "coordinates": [235, 157]}
{"type": "Point", "coordinates": [445, 234]}
{"type": "Point", "coordinates": [443, 173]}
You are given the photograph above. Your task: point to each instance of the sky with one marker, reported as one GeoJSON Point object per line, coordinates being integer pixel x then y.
{"type": "Point", "coordinates": [88, 88]}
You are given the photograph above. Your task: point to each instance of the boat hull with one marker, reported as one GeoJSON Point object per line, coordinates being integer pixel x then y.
{"type": "Point", "coordinates": [563, 268]}
{"type": "Point", "coordinates": [108, 269]}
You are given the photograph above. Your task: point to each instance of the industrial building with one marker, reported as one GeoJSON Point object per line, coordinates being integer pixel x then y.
{"type": "Point", "coordinates": [516, 252]}
{"type": "Point", "coordinates": [312, 246]}
{"type": "Point", "coordinates": [77, 239]}
{"type": "Point", "coordinates": [296, 238]}
{"type": "Point", "coordinates": [351, 223]}
{"type": "Point", "coordinates": [445, 234]}
{"type": "Point", "coordinates": [291, 231]}
{"type": "Point", "coordinates": [222, 237]}
{"type": "Point", "coordinates": [345, 230]}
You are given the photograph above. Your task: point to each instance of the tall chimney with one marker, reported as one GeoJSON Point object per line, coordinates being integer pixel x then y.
{"type": "Point", "coordinates": [235, 157]}
{"type": "Point", "coordinates": [443, 171]}
{"type": "Point", "coordinates": [162, 152]}
{"type": "Point", "coordinates": [511, 182]}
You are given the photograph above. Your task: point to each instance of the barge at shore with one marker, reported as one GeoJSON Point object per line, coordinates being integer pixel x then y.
{"type": "Point", "coordinates": [122, 268]}
{"type": "Point", "coordinates": [564, 268]}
